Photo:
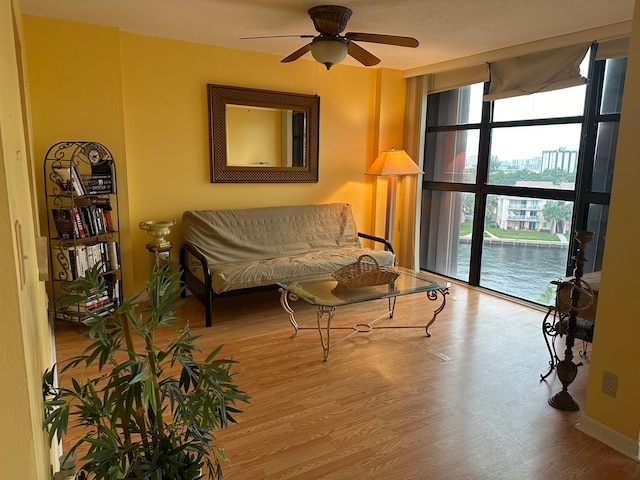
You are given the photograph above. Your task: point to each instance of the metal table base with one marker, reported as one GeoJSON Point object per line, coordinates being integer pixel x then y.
{"type": "Point", "coordinates": [329, 313]}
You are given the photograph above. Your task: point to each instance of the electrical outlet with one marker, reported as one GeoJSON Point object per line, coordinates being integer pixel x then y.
{"type": "Point", "coordinates": [610, 383]}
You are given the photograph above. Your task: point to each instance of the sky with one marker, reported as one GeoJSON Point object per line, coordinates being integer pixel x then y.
{"type": "Point", "coordinates": [529, 142]}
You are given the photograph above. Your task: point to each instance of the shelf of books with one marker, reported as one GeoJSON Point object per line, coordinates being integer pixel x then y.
{"type": "Point", "coordinates": [82, 207]}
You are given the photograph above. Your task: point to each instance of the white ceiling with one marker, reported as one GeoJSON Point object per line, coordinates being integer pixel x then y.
{"type": "Point", "coordinates": [446, 29]}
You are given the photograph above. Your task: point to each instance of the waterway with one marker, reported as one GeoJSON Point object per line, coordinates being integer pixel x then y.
{"type": "Point", "coordinates": [523, 270]}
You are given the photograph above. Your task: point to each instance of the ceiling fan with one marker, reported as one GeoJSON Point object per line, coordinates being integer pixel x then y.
{"type": "Point", "coordinates": [330, 47]}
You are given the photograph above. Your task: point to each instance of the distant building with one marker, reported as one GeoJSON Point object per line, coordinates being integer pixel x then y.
{"type": "Point", "coordinates": [561, 159]}
{"type": "Point", "coordinates": [518, 213]}
{"type": "Point", "coordinates": [523, 213]}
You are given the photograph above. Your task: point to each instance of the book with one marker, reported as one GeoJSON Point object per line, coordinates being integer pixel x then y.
{"type": "Point", "coordinates": [82, 263]}
{"type": "Point", "coordinates": [97, 218]}
{"type": "Point", "coordinates": [102, 200]}
{"type": "Point", "coordinates": [82, 233]}
{"type": "Point", "coordinates": [115, 292]}
{"type": "Point", "coordinates": [95, 301]}
{"type": "Point", "coordinates": [62, 177]}
{"type": "Point", "coordinates": [90, 221]}
{"type": "Point", "coordinates": [103, 220]}
{"type": "Point", "coordinates": [83, 220]}
{"type": "Point", "coordinates": [74, 266]}
{"type": "Point", "coordinates": [114, 255]}
{"type": "Point", "coordinates": [79, 314]}
{"type": "Point", "coordinates": [91, 257]}
{"type": "Point", "coordinates": [98, 184]}
{"type": "Point", "coordinates": [97, 256]}
{"type": "Point", "coordinates": [76, 181]}
{"type": "Point", "coordinates": [106, 260]}
{"type": "Point", "coordinates": [65, 223]}
{"type": "Point", "coordinates": [102, 213]}
{"type": "Point", "coordinates": [108, 221]}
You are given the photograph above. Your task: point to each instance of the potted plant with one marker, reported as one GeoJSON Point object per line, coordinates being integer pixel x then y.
{"type": "Point", "coordinates": [151, 411]}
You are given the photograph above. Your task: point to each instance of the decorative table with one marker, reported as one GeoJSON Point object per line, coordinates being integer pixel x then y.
{"type": "Point", "coordinates": [324, 291]}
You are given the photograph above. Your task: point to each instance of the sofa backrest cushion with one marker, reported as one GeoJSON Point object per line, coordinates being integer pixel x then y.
{"type": "Point", "coordinates": [256, 233]}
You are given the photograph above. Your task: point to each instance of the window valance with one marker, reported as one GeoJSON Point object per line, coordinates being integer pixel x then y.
{"type": "Point", "coordinates": [533, 66]}
{"type": "Point", "coordinates": [443, 81]}
{"type": "Point", "coordinates": [616, 48]}
{"type": "Point", "coordinates": [537, 72]}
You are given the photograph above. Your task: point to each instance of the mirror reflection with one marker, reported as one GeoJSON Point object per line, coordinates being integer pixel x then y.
{"type": "Point", "coordinates": [264, 136]}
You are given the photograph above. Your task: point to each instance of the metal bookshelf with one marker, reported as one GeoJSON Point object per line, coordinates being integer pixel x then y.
{"type": "Point", "coordinates": [83, 224]}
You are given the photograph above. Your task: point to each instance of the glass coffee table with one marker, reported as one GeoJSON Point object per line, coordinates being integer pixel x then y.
{"type": "Point", "coordinates": [324, 292]}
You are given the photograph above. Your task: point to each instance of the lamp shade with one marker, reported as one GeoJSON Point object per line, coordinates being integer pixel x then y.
{"type": "Point", "coordinates": [393, 163]}
{"type": "Point", "coordinates": [329, 50]}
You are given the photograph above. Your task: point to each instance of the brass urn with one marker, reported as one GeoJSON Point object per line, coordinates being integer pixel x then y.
{"type": "Point", "coordinates": [158, 229]}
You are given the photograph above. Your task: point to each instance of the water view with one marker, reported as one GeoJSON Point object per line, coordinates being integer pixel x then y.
{"type": "Point", "coordinates": [523, 270]}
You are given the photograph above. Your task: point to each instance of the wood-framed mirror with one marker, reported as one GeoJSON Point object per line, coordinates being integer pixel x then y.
{"type": "Point", "coordinates": [262, 136]}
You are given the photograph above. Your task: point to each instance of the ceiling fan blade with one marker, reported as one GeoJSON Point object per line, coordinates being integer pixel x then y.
{"type": "Point", "coordinates": [297, 54]}
{"type": "Point", "coordinates": [277, 36]}
{"type": "Point", "coordinates": [361, 55]}
{"type": "Point", "coordinates": [386, 39]}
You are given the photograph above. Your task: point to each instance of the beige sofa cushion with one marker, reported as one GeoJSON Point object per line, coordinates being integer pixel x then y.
{"type": "Point", "coordinates": [227, 236]}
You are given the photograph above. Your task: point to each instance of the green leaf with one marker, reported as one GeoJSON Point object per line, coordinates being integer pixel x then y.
{"type": "Point", "coordinates": [144, 376]}
{"type": "Point", "coordinates": [148, 395]}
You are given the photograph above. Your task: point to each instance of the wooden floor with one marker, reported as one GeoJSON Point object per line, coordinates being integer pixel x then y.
{"type": "Point", "coordinates": [466, 403]}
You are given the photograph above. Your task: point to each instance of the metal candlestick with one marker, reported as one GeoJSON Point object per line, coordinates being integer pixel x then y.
{"type": "Point", "coordinates": [567, 370]}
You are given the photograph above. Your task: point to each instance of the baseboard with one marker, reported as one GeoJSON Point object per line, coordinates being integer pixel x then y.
{"type": "Point", "coordinates": [609, 436]}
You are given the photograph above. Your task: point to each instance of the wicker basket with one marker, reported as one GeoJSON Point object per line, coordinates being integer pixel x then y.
{"type": "Point", "coordinates": [365, 272]}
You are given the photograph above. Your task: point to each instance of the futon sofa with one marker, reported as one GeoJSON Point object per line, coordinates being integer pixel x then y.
{"type": "Point", "coordinates": [230, 251]}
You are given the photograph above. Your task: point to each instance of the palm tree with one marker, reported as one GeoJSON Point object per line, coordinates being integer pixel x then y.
{"type": "Point", "coordinates": [492, 209]}
{"type": "Point", "coordinates": [567, 212]}
{"type": "Point", "coordinates": [553, 212]}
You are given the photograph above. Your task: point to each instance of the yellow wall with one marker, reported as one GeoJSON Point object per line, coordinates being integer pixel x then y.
{"type": "Point", "coordinates": [145, 98]}
{"type": "Point", "coordinates": [615, 347]}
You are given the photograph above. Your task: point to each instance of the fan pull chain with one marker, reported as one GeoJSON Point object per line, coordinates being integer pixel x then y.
{"type": "Point", "coordinates": [316, 65]}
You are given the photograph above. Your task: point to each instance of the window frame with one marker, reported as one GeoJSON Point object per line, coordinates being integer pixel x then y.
{"type": "Point", "coordinates": [582, 196]}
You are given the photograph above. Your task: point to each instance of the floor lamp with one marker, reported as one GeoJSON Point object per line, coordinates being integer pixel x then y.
{"type": "Point", "coordinates": [393, 163]}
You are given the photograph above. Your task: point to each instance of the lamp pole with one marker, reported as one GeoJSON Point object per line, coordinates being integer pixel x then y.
{"type": "Point", "coordinates": [392, 187]}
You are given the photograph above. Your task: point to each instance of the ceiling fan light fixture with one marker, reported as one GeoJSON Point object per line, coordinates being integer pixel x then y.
{"type": "Point", "coordinates": [329, 50]}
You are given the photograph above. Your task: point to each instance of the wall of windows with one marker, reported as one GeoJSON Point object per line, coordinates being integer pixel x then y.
{"type": "Point", "coordinates": [507, 182]}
